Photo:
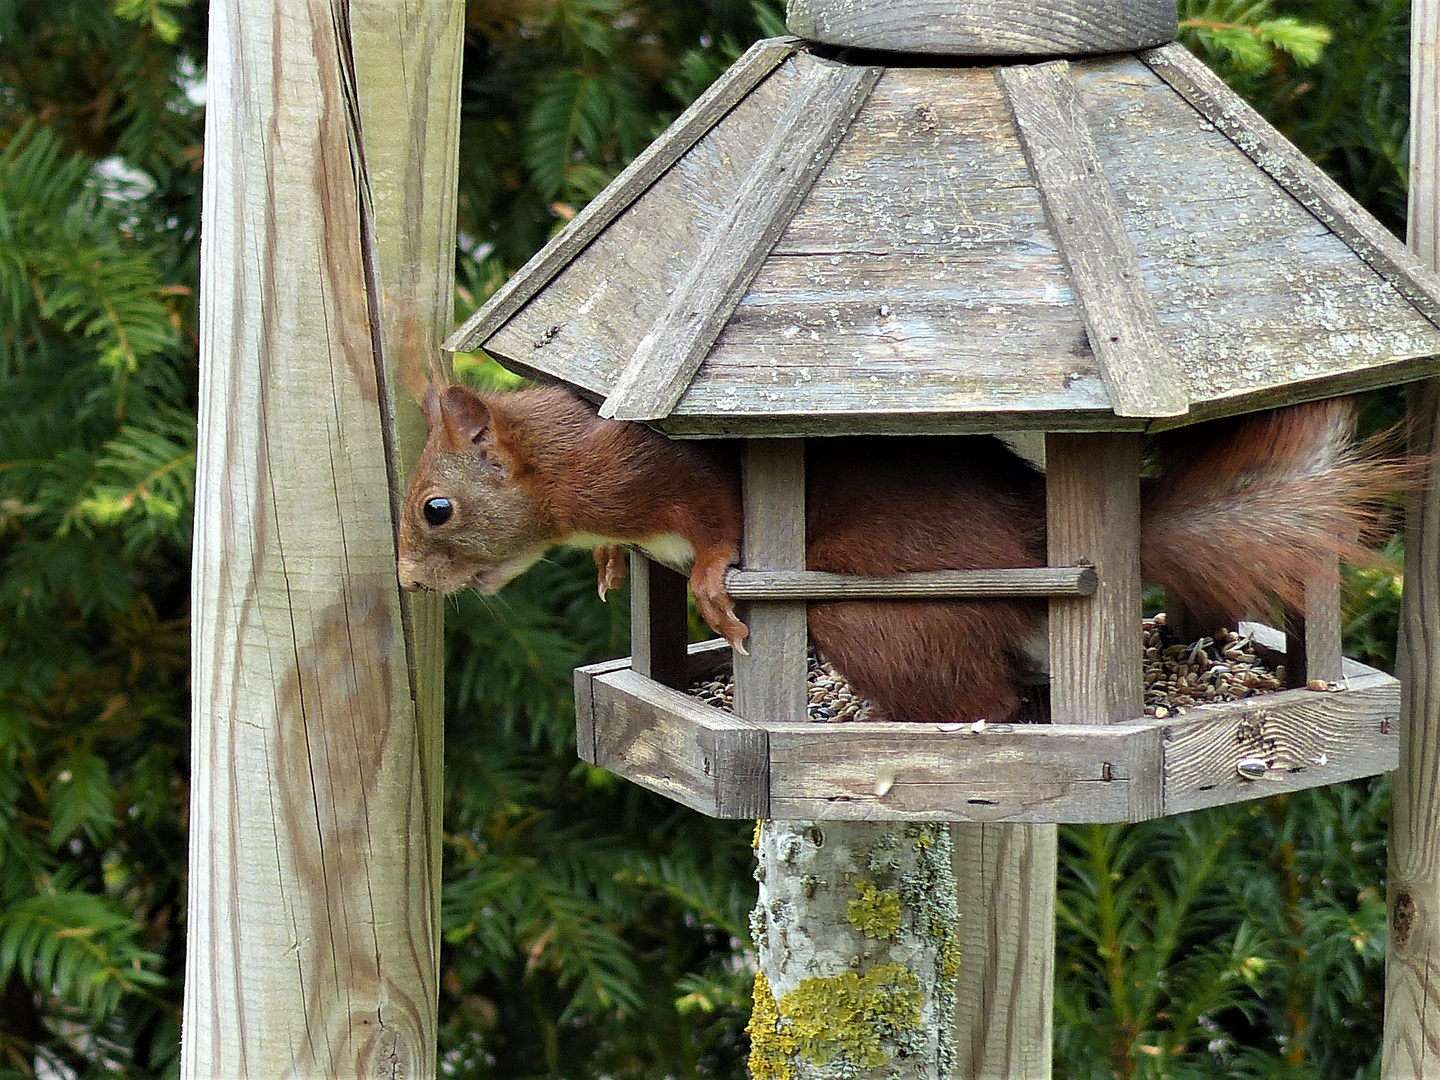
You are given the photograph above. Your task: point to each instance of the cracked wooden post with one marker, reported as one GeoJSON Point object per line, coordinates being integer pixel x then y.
{"type": "Point", "coordinates": [327, 261]}
{"type": "Point", "coordinates": [1411, 1046]}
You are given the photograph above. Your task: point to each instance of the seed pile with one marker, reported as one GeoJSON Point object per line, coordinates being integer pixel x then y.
{"type": "Point", "coordinates": [830, 696]}
{"type": "Point", "coordinates": [1220, 668]}
{"type": "Point", "coordinates": [1178, 675]}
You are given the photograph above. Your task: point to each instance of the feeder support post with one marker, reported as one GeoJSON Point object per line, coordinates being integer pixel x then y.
{"type": "Point", "coordinates": [326, 282]}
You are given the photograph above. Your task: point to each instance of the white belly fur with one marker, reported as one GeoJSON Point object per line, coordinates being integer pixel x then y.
{"type": "Point", "coordinates": [671, 549]}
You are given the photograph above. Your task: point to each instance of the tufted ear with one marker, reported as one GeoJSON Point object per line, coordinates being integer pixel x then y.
{"type": "Point", "coordinates": [466, 419]}
{"type": "Point", "coordinates": [430, 406]}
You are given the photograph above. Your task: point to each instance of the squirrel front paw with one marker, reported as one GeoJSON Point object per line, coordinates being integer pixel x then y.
{"type": "Point", "coordinates": [612, 563]}
{"type": "Point", "coordinates": [716, 607]}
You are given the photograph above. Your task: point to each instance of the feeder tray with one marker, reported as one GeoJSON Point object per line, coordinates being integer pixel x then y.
{"type": "Point", "coordinates": [714, 762]}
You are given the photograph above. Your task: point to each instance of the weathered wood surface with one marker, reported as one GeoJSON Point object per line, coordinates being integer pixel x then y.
{"type": "Point", "coordinates": [1140, 375]}
{"type": "Point", "coordinates": [1092, 515]}
{"type": "Point", "coordinates": [1006, 894]}
{"type": "Point", "coordinates": [659, 622]}
{"type": "Point", "coordinates": [702, 660]}
{"type": "Point", "coordinates": [1312, 638]}
{"type": "Point", "coordinates": [588, 320]}
{"type": "Point", "coordinates": [1079, 772]}
{"type": "Point", "coordinates": [918, 288]}
{"type": "Point", "coordinates": [770, 682]}
{"type": "Point", "coordinates": [985, 27]}
{"type": "Point", "coordinates": [1300, 176]}
{"type": "Point", "coordinates": [955, 772]}
{"type": "Point", "coordinates": [920, 585]}
{"type": "Point", "coordinates": [315, 803]}
{"type": "Point", "coordinates": [918, 277]}
{"type": "Point", "coordinates": [649, 165]}
{"type": "Point", "coordinates": [1303, 739]}
{"type": "Point", "coordinates": [667, 741]}
{"type": "Point", "coordinates": [1411, 1045]}
{"type": "Point", "coordinates": [797, 147]}
{"type": "Point", "coordinates": [1262, 303]}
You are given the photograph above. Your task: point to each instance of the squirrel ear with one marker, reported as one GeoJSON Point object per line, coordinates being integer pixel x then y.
{"type": "Point", "coordinates": [466, 418]}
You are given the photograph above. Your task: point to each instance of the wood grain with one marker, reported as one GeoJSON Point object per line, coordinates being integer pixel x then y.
{"type": "Point", "coordinates": [1304, 739]}
{"type": "Point", "coordinates": [1411, 1040]}
{"type": "Point", "coordinates": [1260, 301]}
{"type": "Point", "coordinates": [665, 740]}
{"type": "Point", "coordinates": [917, 288]}
{"type": "Point", "coordinates": [315, 803]}
{"type": "Point", "coordinates": [1300, 176]}
{"type": "Point", "coordinates": [659, 622]}
{"type": "Point", "coordinates": [1092, 515]}
{"type": "Point", "coordinates": [1411, 1045]}
{"type": "Point", "coordinates": [770, 682]}
{"type": "Point", "coordinates": [955, 772]}
{"type": "Point", "coordinates": [1041, 773]}
{"type": "Point", "coordinates": [588, 320]}
{"type": "Point", "coordinates": [1135, 361]}
{"type": "Point", "coordinates": [1005, 876]}
{"type": "Point", "coordinates": [1312, 638]}
{"type": "Point", "coordinates": [797, 147]}
{"type": "Point", "coordinates": [703, 659]}
{"type": "Point", "coordinates": [707, 110]}
{"type": "Point", "coordinates": [984, 27]}
{"type": "Point", "coordinates": [931, 585]}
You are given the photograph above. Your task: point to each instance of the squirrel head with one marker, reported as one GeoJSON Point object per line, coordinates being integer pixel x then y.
{"type": "Point", "coordinates": [467, 521]}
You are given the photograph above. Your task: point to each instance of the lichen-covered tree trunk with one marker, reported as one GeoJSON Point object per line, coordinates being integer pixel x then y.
{"type": "Point", "coordinates": [856, 934]}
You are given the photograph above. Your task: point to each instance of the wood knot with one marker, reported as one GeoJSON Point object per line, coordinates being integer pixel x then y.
{"type": "Point", "coordinates": [1402, 917]}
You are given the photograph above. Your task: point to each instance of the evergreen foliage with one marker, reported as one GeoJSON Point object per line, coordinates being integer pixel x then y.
{"type": "Point", "coordinates": [589, 928]}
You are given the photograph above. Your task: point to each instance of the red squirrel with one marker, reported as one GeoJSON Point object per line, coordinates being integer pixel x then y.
{"type": "Point", "coordinates": [1243, 510]}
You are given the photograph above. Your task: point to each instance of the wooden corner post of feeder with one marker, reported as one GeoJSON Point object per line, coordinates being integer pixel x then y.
{"type": "Point", "coordinates": [327, 264]}
{"type": "Point", "coordinates": [974, 239]}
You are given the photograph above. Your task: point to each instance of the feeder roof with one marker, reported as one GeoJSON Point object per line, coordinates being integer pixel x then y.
{"type": "Point", "coordinates": [819, 247]}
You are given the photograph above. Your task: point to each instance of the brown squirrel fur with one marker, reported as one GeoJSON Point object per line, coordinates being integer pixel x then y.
{"type": "Point", "coordinates": [1243, 510]}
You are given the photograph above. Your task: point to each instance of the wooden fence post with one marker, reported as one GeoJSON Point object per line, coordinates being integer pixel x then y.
{"type": "Point", "coordinates": [1412, 993]}
{"type": "Point", "coordinates": [330, 168]}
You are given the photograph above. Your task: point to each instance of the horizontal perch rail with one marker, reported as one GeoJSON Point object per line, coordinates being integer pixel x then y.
{"type": "Point", "coordinates": [924, 585]}
{"type": "Point", "coordinates": [725, 766]}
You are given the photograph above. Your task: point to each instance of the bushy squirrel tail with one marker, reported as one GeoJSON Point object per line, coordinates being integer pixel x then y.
{"type": "Point", "coordinates": [1245, 511]}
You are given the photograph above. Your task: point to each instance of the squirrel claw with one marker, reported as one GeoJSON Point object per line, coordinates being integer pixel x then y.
{"type": "Point", "coordinates": [611, 563]}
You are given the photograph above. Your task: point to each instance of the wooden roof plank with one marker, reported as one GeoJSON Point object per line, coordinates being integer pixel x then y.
{"type": "Point", "coordinates": [704, 113]}
{"type": "Point", "coordinates": [799, 146]}
{"type": "Point", "coordinates": [1135, 360]}
{"type": "Point", "coordinates": [1311, 186]}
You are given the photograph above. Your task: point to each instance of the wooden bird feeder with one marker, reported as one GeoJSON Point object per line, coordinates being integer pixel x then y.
{"type": "Point", "coordinates": [840, 241]}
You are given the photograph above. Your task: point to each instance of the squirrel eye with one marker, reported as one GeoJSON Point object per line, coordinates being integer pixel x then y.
{"type": "Point", "coordinates": [437, 511]}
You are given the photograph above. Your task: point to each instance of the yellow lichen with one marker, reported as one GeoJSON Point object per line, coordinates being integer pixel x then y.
{"type": "Point", "coordinates": [769, 1054]}
{"type": "Point", "coordinates": [845, 1018]}
{"type": "Point", "coordinates": [755, 836]}
{"type": "Point", "coordinates": [875, 913]}
{"type": "Point", "coordinates": [947, 963]}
